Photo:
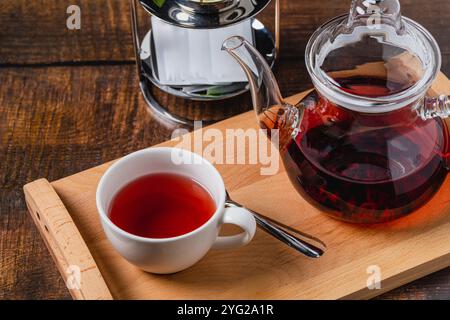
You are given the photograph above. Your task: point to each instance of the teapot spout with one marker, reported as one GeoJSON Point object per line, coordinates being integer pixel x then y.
{"type": "Point", "coordinates": [271, 110]}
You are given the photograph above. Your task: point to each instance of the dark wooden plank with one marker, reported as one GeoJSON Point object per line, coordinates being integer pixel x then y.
{"type": "Point", "coordinates": [27, 269]}
{"type": "Point", "coordinates": [301, 18]}
{"type": "Point", "coordinates": [35, 31]}
{"type": "Point", "coordinates": [60, 120]}
{"type": "Point", "coordinates": [57, 121]}
{"type": "Point", "coordinates": [432, 287]}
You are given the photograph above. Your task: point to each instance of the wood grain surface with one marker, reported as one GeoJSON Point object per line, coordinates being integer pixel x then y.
{"type": "Point", "coordinates": [404, 250]}
{"type": "Point", "coordinates": [69, 100]}
{"type": "Point", "coordinates": [65, 243]}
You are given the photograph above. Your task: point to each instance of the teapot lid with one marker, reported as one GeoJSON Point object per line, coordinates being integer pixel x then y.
{"type": "Point", "coordinates": [374, 41]}
{"type": "Point", "coordinates": [204, 14]}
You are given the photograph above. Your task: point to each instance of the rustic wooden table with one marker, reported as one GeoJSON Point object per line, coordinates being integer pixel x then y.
{"type": "Point", "coordinates": [69, 100]}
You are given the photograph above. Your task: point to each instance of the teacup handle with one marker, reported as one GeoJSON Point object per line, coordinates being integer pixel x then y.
{"type": "Point", "coordinates": [241, 218]}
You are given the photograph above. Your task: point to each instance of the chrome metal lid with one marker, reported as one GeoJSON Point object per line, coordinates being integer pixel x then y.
{"type": "Point", "coordinates": [204, 14]}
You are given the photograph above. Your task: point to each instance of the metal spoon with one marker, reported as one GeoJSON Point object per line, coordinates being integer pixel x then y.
{"type": "Point", "coordinates": [280, 232]}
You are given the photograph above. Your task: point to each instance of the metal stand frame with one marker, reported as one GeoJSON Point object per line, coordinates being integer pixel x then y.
{"type": "Point", "coordinates": [144, 84]}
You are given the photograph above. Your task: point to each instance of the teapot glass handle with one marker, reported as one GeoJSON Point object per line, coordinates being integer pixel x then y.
{"type": "Point", "coordinates": [433, 107]}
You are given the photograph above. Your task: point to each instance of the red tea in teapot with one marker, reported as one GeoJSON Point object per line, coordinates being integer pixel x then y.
{"type": "Point", "coordinates": [366, 167]}
{"type": "Point", "coordinates": [359, 146]}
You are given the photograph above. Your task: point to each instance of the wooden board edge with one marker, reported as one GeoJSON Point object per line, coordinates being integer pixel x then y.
{"type": "Point", "coordinates": [401, 279]}
{"type": "Point", "coordinates": [65, 243]}
{"type": "Point", "coordinates": [63, 258]}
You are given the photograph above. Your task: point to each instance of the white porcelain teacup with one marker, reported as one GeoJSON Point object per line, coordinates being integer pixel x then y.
{"type": "Point", "coordinates": [170, 255]}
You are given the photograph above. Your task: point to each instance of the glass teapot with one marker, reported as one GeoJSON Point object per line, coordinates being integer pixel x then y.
{"type": "Point", "coordinates": [367, 145]}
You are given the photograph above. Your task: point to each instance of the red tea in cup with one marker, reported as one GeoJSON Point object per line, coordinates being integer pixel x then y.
{"type": "Point", "coordinates": [162, 205]}
{"type": "Point", "coordinates": [153, 208]}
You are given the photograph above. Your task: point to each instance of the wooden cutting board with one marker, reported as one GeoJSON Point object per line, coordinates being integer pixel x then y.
{"type": "Point", "coordinates": [404, 250]}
